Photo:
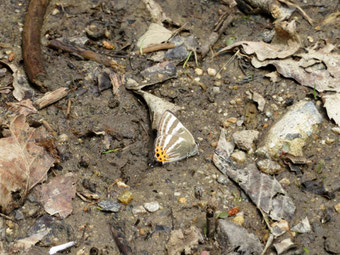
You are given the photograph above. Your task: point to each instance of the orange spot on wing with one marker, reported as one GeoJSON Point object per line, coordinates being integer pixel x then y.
{"type": "Point", "coordinates": [161, 154]}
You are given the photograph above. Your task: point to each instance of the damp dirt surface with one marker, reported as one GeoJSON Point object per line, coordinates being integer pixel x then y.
{"type": "Point", "coordinates": [100, 121]}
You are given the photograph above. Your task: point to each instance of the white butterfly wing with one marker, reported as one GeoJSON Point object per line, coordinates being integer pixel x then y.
{"type": "Point", "coordinates": [174, 142]}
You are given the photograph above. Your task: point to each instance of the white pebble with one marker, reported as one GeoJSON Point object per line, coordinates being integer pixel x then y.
{"type": "Point", "coordinates": [152, 206]}
{"type": "Point", "coordinates": [211, 71]}
{"type": "Point", "coordinates": [198, 71]}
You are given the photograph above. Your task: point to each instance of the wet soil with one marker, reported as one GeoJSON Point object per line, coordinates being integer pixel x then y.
{"type": "Point", "coordinates": [126, 123]}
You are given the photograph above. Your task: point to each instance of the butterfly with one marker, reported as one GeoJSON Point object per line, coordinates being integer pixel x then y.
{"type": "Point", "coordinates": [173, 142]}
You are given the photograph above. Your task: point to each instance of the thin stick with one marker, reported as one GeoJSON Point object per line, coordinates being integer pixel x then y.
{"type": "Point", "coordinates": [157, 47]}
{"type": "Point", "coordinates": [68, 110]}
{"type": "Point", "coordinates": [87, 54]}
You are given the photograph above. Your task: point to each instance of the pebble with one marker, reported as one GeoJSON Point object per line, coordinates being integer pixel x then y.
{"type": "Point", "coordinates": [223, 180]}
{"type": "Point", "coordinates": [232, 102]}
{"type": "Point", "coordinates": [198, 71]}
{"type": "Point", "coordinates": [109, 206]}
{"type": "Point", "coordinates": [55, 11]}
{"type": "Point", "coordinates": [284, 181]}
{"type": "Point", "coordinates": [232, 120]}
{"type": "Point", "coordinates": [126, 197]}
{"type": "Point", "coordinates": [337, 208]}
{"type": "Point", "coordinates": [268, 166]}
{"type": "Point", "coordinates": [244, 139]}
{"type": "Point", "coordinates": [182, 200]}
{"type": "Point", "coordinates": [216, 90]}
{"type": "Point", "coordinates": [329, 140]}
{"type": "Point", "coordinates": [3, 72]}
{"type": "Point", "coordinates": [211, 71]}
{"type": "Point", "coordinates": [63, 138]}
{"type": "Point", "coordinates": [138, 210]}
{"type": "Point", "coordinates": [336, 130]}
{"type": "Point", "coordinates": [151, 206]}
{"type": "Point", "coordinates": [238, 156]}
{"type": "Point", "coordinates": [238, 220]}
{"type": "Point", "coordinates": [238, 101]}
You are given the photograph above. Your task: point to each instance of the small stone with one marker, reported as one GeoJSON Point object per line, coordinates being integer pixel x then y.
{"type": "Point", "coordinates": [199, 191]}
{"type": "Point", "coordinates": [329, 140]}
{"type": "Point", "coordinates": [337, 208]}
{"type": "Point", "coordinates": [336, 130]}
{"type": "Point", "coordinates": [55, 11]}
{"type": "Point", "coordinates": [152, 206]}
{"type": "Point", "coordinates": [19, 215]}
{"type": "Point", "coordinates": [126, 197]}
{"type": "Point", "coordinates": [232, 120]}
{"type": "Point", "coordinates": [232, 102]}
{"type": "Point", "coordinates": [310, 39]}
{"type": "Point", "coordinates": [218, 76]}
{"type": "Point", "coordinates": [238, 220]}
{"type": "Point", "coordinates": [238, 101]}
{"type": "Point", "coordinates": [223, 180]}
{"type": "Point", "coordinates": [213, 144]}
{"type": "Point", "coordinates": [238, 156]}
{"type": "Point", "coordinates": [268, 166]}
{"type": "Point", "coordinates": [211, 71]}
{"type": "Point", "coordinates": [216, 90]}
{"type": "Point", "coordinates": [109, 206]}
{"type": "Point", "coordinates": [244, 140]}
{"type": "Point", "coordinates": [182, 200]}
{"type": "Point", "coordinates": [138, 210]}
{"type": "Point", "coordinates": [198, 71]}
{"type": "Point", "coordinates": [3, 72]}
{"type": "Point", "coordinates": [284, 181]}
{"type": "Point", "coordinates": [95, 30]}
{"type": "Point", "coordinates": [63, 138]}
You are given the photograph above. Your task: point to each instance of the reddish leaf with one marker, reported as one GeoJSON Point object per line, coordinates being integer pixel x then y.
{"type": "Point", "coordinates": [57, 195]}
{"type": "Point", "coordinates": [23, 163]}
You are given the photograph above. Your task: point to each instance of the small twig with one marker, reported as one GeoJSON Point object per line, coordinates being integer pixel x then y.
{"type": "Point", "coordinates": [177, 31]}
{"type": "Point", "coordinates": [228, 62]}
{"type": "Point", "coordinates": [6, 217]}
{"type": "Point", "coordinates": [157, 47]}
{"type": "Point", "coordinates": [87, 54]}
{"type": "Point", "coordinates": [303, 13]}
{"type": "Point", "coordinates": [49, 128]}
{"type": "Point", "coordinates": [51, 97]}
{"type": "Point", "coordinates": [68, 110]}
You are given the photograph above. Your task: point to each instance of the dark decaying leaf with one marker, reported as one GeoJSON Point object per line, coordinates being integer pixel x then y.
{"type": "Point", "coordinates": [265, 191]}
{"type": "Point", "coordinates": [23, 163]}
{"type": "Point", "coordinates": [317, 187]}
{"type": "Point", "coordinates": [57, 195]}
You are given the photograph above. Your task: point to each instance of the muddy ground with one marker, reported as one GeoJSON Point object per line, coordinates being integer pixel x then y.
{"type": "Point", "coordinates": [125, 118]}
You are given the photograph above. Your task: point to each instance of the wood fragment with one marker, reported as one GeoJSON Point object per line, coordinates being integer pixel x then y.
{"type": "Point", "coordinates": [120, 241]}
{"type": "Point", "coordinates": [215, 35]}
{"type": "Point", "coordinates": [68, 110]}
{"type": "Point", "coordinates": [157, 47]}
{"type": "Point", "coordinates": [49, 128]}
{"type": "Point", "coordinates": [33, 61]}
{"type": "Point", "coordinates": [51, 97]}
{"type": "Point", "coordinates": [84, 53]}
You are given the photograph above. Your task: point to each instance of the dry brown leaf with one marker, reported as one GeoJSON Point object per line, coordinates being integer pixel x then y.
{"type": "Point", "coordinates": [24, 107]}
{"type": "Point", "coordinates": [285, 44]}
{"type": "Point", "coordinates": [28, 242]}
{"type": "Point", "coordinates": [317, 69]}
{"type": "Point", "coordinates": [57, 195]}
{"type": "Point", "coordinates": [332, 105]}
{"type": "Point", "coordinates": [23, 163]}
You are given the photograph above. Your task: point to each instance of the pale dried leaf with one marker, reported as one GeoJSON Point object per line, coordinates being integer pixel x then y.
{"type": "Point", "coordinates": [265, 191]}
{"type": "Point", "coordinates": [28, 242]}
{"type": "Point", "coordinates": [24, 107]}
{"type": "Point", "coordinates": [57, 195]}
{"type": "Point", "coordinates": [157, 106]}
{"type": "Point", "coordinates": [317, 69]}
{"type": "Point", "coordinates": [332, 105]}
{"type": "Point", "coordinates": [285, 44]}
{"type": "Point", "coordinates": [157, 14]}
{"type": "Point", "coordinates": [20, 84]}
{"type": "Point", "coordinates": [23, 163]}
{"type": "Point", "coordinates": [155, 34]}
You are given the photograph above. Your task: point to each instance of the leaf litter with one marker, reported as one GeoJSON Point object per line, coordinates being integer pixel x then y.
{"type": "Point", "coordinates": [23, 163]}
